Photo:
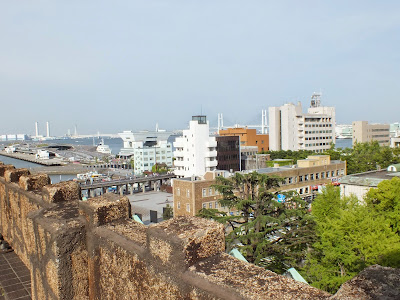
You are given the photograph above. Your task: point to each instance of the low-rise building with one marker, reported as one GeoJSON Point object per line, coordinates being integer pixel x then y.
{"type": "Point", "coordinates": [359, 184]}
{"type": "Point", "coordinates": [364, 132]}
{"type": "Point", "coordinates": [395, 142]}
{"type": "Point", "coordinates": [194, 193]}
{"type": "Point", "coordinates": [42, 154]}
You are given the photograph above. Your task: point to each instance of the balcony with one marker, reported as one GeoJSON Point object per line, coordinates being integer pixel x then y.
{"type": "Point", "coordinates": [179, 163]}
{"type": "Point", "coordinates": [210, 153]}
{"type": "Point", "coordinates": [211, 144]}
{"type": "Point", "coordinates": [211, 163]}
{"type": "Point", "coordinates": [178, 153]}
{"type": "Point", "coordinates": [178, 144]}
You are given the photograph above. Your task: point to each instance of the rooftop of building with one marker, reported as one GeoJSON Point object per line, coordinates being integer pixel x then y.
{"type": "Point", "coordinates": [371, 178]}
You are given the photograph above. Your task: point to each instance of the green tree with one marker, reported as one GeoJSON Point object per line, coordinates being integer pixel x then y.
{"type": "Point", "coordinates": [350, 237]}
{"type": "Point", "coordinates": [159, 168]}
{"type": "Point", "coordinates": [385, 200]}
{"type": "Point", "coordinates": [365, 157]}
{"type": "Point", "coordinates": [168, 213]}
{"type": "Point", "coordinates": [132, 162]}
{"type": "Point", "coordinates": [267, 232]}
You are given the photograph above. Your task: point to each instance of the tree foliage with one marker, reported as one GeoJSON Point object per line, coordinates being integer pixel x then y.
{"type": "Point", "coordinates": [268, 233]}
{"type": "Point", "coordinates": [159, 168]}
{"type": "Point", "coordinates": [385, 200]}
{"type": "Point", "coordinates": [289, 154]}
{"type": "Point", "coordinates": [168, 212]}
{"type": "Point", "coordinates": [362, 157]}
{"type": "Point", "coordinates": [350, 237]}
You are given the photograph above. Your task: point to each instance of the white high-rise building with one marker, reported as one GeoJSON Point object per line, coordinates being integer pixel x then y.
{"type": "Point", "coordinates": [196, 151]}
{"type": "Point", "coordinates": [291, 129]}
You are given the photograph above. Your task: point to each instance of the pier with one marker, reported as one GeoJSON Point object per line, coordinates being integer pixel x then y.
{"type": "Point", "coordinates": [127, 185]}
{"type": "Point", "coordinates": [32, 158]}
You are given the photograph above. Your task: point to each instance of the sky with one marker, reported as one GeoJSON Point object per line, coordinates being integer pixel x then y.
{"type": "Point", "coordinates": [109, 66]}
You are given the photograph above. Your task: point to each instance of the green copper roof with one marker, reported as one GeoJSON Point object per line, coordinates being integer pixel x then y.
{"type": "Point", "coordinates": [292, 272]}
{"type": "Point", "coordinates": [235, 253]}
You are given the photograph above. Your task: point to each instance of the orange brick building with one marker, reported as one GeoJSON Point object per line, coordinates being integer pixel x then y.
{"type": "Point", "coordinates": [248, 137]}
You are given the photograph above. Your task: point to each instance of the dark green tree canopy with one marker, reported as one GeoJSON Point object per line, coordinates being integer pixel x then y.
{"type": "Point", "coordinates": [267, 232]}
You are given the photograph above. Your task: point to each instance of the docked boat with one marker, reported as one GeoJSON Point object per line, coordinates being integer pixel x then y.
{"type": "Point", "coordinates": [103, 148]}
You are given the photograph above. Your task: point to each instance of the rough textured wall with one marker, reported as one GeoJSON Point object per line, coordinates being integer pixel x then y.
{"type": "Point", "coordinates": [42, 223]}
{"type": "Point", "coordinates": [93, 250]}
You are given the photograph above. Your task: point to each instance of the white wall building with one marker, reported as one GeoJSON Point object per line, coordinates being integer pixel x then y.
{"type": "Point", "coordinates": [42, 154]}
{"type": "Point", "coordinates": [147, 148]}
{"type": "Point", "coordinates": [196, 151]}
{"type": "Point", "coordinates": [291, 129]}
{"type": "Point", "coordinates": [149, 154]}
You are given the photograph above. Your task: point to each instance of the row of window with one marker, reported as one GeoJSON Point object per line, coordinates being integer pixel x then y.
{"type": "Point", "coordinates": [209, 192]}
{"type": "Point", "coordinates": [178, 192]}
{"type": "Point", "coordinates": [318, 125]}
{"type": "Point", "coordinates": [317, 144]}
{"type": "Point", "coordinates": [318, 131]}
{"type": "Point", "coordinates": [152, 158]}
{"type": "Point", "coordinates": [314, 176]}
{"type": "Point", "coordinates": [212, 204]}
{"type": "Point", "coordinates": [318, 119]}
{"type": "Point", "coordinates": [318, 138]}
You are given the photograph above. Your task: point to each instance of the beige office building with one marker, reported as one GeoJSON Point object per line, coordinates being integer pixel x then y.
{"type": "Point", "coordinates": [194, 193]}
{"type": "Point", "coordinates": [364, 132]}
{"type": "Point", "coordinates": [291, 129]}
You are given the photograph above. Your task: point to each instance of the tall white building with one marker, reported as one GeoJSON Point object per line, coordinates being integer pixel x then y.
{"type": "Point", "coordinates": [147, 148]}
{"type": "Point", "coordinates": [291, 129]}
{"type": "Point", "coordinates": [196, 151]}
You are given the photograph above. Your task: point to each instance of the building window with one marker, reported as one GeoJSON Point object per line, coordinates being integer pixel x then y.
{"type": "Point", "coordinates": [188, 207]}
{"type": "Point", "coordinates": [216, 204]}
{"type": "Point", "coordinates": [333, 173]}
{"type": "Point", "coordinates": [290, 180]}
{"type": "Point", "coordinates": [311, 176]}
{"type": "Point", "coordinates": [188, 193]}
{"type": "Point", "coordinates": [204, 205]}
{"type": "Point", "coordinates": [178, 191]}
{"type": "Point", "coordinates": [300, 178]}
{"type": "Point", "coordinates": [210, 205]}
{"type": "Point", "coordinates": [301, 191]}
{"type": "Point", "coordinates": [210, 191]}
{"type": "Point", "coordinates": [322, 175]}
{"type": "Point", "coordinates": [204, 193]}
{"type": "Point", "coordinates": [327, 174]}
{"type": "Point", "coordinates": [306, 190]}
{"type": "Point", "coordinates": [316, 175]}
{"type": "Point", "coordinates": [305, 177]}
{"type": "Point", "coordinates": [179, 205]}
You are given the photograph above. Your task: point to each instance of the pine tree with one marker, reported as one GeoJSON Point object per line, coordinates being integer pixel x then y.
{"type": "Point", "coordinates": [268, 233]}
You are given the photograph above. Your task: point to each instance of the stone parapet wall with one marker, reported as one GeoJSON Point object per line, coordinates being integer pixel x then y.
{"type": "Point", "coordinates": [92, 249]}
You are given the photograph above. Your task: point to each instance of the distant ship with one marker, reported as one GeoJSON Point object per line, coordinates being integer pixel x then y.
{"type": "Point", "coordinates": [103, 148]}
{"type": "Point", "coordinates": [344, 131]}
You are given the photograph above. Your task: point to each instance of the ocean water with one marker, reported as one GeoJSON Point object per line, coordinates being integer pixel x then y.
{"type": "Point", "coordinates": [343, 143]}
